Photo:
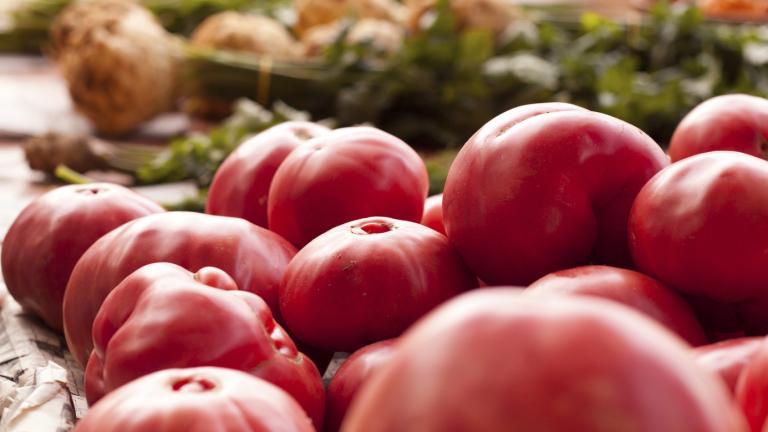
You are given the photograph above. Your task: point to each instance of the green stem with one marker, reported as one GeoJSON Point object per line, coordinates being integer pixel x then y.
{"type": "Point", "coordinates": [68, 175]}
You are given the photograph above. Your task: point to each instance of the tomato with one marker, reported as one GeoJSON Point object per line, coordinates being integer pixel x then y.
{"type": "Point", "coordinates": [734, 122]}
{"type": "Point", "coordinates": [196, 400]}
{"type": "Point", "coordinates": [728, 358]}
{"type": "Point", "coordinates": [752, 388]}
{"type": "Point", "coordinates": [241, 185]}
{"type": "Point", "coordinates": [50, 234]}
{"type": "Point", "coordinates": [152, 321]}
{"type": "Point", "coordinates": [368, 280]}
{"type": "Point", "coordinates": [356, 370]}
{"type": "Point", "coordinates": [254, 257]}
{"type": "Point", "coordinates": [433, 213]}
{"type": "Point", "coordinates": [496, 360]}
{"type": "Point", "coordinates": [629, 288]}
{"type": "Point", "coordinates": [546, 187]}
{"type": "Point", "coordinates": [699, 227]}
{"type": "Point", "coordinates": [344, 175]}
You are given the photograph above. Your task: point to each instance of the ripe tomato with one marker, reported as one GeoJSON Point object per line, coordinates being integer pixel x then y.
{"type": "Point", "coordinates": [368, 280]}
{"type": "Point", "coordinates": [49, 236]}
{"type": "Point", "coordinates": [152, 320]}
{"type": "Point", "coordinates": [241, 185]}
{"type": "Point", "coordinates": [433, 213]}
{"type": "Point", "coordinates": [196, 400]}
{"type": "Point", "coordinates": [629, 288]}
{"type": "Point", "coordinates": [347, 174]}
{"type": "Point", "coordinates": [355, 371]}
{"type": "Point", "coordinates": [546, 187]}
{"type": "Point", "coordinates": [254, 257]}
{"type": "Point", "coordinates": [496, 360]}
{"type": "Point", "coordinates": [735, 122]}
{"type": "Point", "coordinates": [728, 358]}
{"type": "Point", "coordinates": [699, 227]}
{"type": "Point", "coordinates": [752, 388]}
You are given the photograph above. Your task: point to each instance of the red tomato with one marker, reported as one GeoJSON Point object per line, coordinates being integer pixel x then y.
{"type": "Point", "coordinates": [546, 187]}
{"type": "Point", "coordinates": [629, 288]}
{"type": "Point", "coordinates": [368, 280]}
{"type": "Point", "coordinates": [49, 236]}
{"type": "Point", "coordinates": [241, 185]}
{"type": "Point", "coordinates": [735, 122]}
{"type": "Point", "coordinates": [752, 388]}
{"type": "Point", "coordinates": [196, 400]}
{"type": "Point", "coordinates": [356, 370]}
{"type": "Point", "coordinates": [347, 174]}
{"type": "Point", "coordinates": [699, 227]}
{"type": "Point", "coordinates": [152, 321]}
{"type": "Point", "coordinates": [254, 257]}
{"type": "Point", "coordinates": [433, 213]}
{"type": "Point", "coordinates": [728, 358]}
{"type": "Point", "coordinates": [495, 360]}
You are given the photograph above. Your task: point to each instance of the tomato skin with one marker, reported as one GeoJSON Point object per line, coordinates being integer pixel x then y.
{"type": "Point", "coordinates": [433, 213]}
{"type": "Point", "coordinates": [735, 122]}
{"type": "Point", "coordinates": [241, 185]}
{"type": "Point", "coordinates": [254, 257]}
{"type": "Point", "coordinates": [546, 187]}
{"type": "Point", "coordinates": [51, 233]}
{"type": "Point", "coordinates": [347, 174]}
{"type": "Point", "coordinates": [752, 388]}
{"type": "Point", "coordinates": [196, 400]}
{"type": "Point", "coordinates": [728, 358]}
{"type": "Point", "coordinates": [368, 280]}
{"type": "Point", "coordinates": [143, 324]}
{"type": "Point", "coordinates": [572, 364]}
{"type": "Point", "coordinates": [699, 227]}
{"type": "Point", "coordinates": [629, 288]}
{"type": "Point", "coordinates": [355, 371]}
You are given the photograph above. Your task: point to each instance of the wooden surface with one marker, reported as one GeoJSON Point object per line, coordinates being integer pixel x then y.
{"type": "Point", "coordinates": [18, 185]}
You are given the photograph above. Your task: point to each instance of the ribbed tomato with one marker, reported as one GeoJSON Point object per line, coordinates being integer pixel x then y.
{"type": "Point", "coordinates": [254, 257]}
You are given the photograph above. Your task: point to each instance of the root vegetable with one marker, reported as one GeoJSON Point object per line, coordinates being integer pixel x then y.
{"type": "Point", "coordinates": [119, 62]}
{"type": "Point", "coordinates": [250, 33]}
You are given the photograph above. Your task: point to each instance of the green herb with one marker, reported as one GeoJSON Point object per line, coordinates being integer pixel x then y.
{"type": "Point", "coordinates": [653, 72]}
{"type": "Point", "coordinates": [70, 176]}
{"type": "Point", "coordinates": [195, 203]}
{"type": "Point", "coordinates": [199, 155]}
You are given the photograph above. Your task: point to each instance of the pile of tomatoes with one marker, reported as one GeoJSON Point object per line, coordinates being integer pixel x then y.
{"type": "Point", "coordinates": [623, 289]}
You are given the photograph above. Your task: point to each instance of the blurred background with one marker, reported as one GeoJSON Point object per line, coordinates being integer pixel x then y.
{"type": "Point", "coordinates": [160, 91]}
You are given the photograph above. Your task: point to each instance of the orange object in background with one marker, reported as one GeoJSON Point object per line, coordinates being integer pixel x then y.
{"type": "Point", "coordinates": [748, 10]}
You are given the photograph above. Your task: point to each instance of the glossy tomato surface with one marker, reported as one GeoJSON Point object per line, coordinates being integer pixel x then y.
{"type": "Point", "coordinates": [735, 122]}
{"type": "Point", "coordinates": [728, 358]}
{"type": "Point", "coordinates": [433, 213]}
{"type": "Point", "coordinates": [355, 371]}
{"type": "Point", "coordinates": [162, 317]}
{"type": "Point", "coordinates": [241, 185]}
{"type": "Point", "coordinates": [699, 227]}
{"type": "Point", "coordinates": [254, 257]}
{"type": "Point", "coordinates": [752, 388]}
{"type": "Point", "coordinates": [498, 360]}
{"type": "Point", "coordinates": [196, 400]}
{"type": "Point", "coordinates": [368, 280]}
{"type": "Point", "coordinates": [629, 288]}
{"type": "Point", "coordinates": [344, 175]}
{"type": "Point", "coordinates": [50, 234]}
{"type": "Point", "coordinates": [546, 187]}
